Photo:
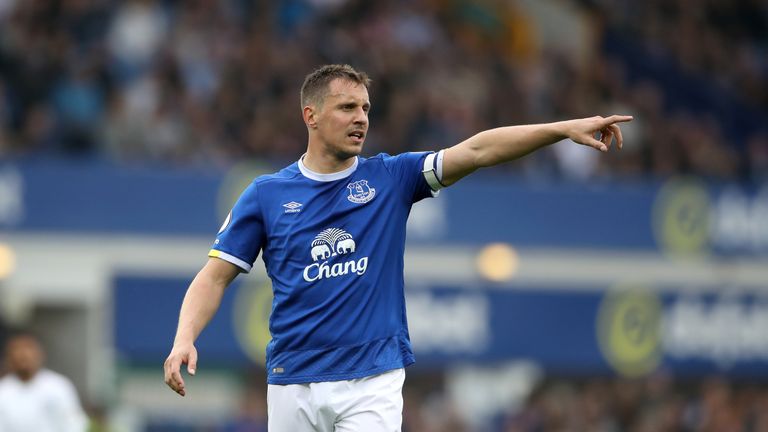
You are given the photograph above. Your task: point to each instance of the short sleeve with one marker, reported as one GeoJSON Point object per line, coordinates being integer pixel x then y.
{"type": "Point", "coordinates": [407, 170]}
{"type": "Point", "coordinates": [241, 237]}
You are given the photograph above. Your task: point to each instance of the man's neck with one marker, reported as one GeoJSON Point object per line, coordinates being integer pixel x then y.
{"type": "Point", "coordinates": [25, 376]}
{"type": "Point", "coordinates": [323, 163]}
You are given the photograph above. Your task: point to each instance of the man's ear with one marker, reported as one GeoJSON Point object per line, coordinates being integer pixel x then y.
{"type": "Point", "coordinates": [310, 116]}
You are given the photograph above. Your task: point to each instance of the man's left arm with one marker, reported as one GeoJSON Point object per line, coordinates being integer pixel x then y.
{"type": "Point", "coordinates": [495, 146]}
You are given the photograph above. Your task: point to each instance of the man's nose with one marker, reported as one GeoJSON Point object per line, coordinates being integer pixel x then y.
{"type": "Point", "coordinates": [361, 117]}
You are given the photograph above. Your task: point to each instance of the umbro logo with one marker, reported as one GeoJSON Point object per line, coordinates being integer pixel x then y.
{"type": "Point", "coordinates": [292, 207]}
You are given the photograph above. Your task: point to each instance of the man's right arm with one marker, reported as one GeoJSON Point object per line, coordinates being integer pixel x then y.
{"type": "Point", "coordinates": [504, 144]}
{"type": "Point", "coordinates": [200, 304]}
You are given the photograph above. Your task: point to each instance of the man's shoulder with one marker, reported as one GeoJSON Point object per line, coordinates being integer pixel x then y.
{"type": "Point", "coordinates": [375, 159]}
{"type": "Point", "coordinates": [394, 163]}
{"type": "Point", "coordinates": [289, 173]}
{"type": "Point", "coordinates": [52, 378]}
{"type": "Point", "coordinates": [6, 381]}
{"type": "Point", "coordinates": [383, 157]}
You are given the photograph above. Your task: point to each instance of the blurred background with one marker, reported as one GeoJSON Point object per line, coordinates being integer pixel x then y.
{"type": "Point", "coordinates": [567, 291]}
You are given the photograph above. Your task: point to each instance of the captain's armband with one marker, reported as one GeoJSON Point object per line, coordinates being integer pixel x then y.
{"type": "Point", "coordinates": [433, 170]}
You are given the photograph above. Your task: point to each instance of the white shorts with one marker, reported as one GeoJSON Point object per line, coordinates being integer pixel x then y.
{"type": "Point", "coordinates": [370, 404]}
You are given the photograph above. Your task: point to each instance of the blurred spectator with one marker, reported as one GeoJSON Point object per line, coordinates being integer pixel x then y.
{"type": "Point", "coordinates": [209, 81]}
{"type": "Point", "coordinates": [653, 404]}
{"type": "Point", "coordinates": [427, 407]}
{"type": "Point", "coordinates": [33, 398]}
{"type": "Point", "coordinates": [136, 36]}
{"type": "Point", "coordinates": [757, 156]}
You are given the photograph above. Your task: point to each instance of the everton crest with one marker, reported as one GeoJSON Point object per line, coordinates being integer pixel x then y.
{"type": "Point", "coordinates": [360, 192]}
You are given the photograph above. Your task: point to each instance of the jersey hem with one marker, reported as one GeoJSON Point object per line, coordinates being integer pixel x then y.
{"type": "Point", "coordinates": [338, 377]}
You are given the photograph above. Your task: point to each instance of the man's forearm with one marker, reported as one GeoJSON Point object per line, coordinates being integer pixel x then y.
{"type": "Point", "coordinates": [495, 146]}
{"type": "Point", "coordinates": [200, 304]}
{"type": "Point", "coordinates": [499, 145]}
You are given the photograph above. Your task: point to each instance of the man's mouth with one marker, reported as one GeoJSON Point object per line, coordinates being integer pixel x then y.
{"type": "Point", "coordinates": [357, 135]}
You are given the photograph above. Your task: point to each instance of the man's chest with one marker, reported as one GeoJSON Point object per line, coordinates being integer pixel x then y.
{"type": "Point", "coordinates": [323, 221]}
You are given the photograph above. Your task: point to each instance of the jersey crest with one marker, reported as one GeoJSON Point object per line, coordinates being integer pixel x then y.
{"type": "Point", "coordinates": [360, 192]}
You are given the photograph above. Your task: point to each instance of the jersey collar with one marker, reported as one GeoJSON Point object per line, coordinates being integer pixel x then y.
{"type": "Point", "coordinates": [308, 173]}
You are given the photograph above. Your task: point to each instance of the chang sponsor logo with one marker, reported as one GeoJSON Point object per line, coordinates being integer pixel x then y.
{"type": "Point", "coordinates": [330, 243]}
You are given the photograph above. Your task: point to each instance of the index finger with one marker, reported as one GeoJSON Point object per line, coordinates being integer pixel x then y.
{"type": "Point", "coordinates": [616, 119]}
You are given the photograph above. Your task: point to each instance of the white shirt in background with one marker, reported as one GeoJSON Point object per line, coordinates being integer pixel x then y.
{"type": "Point", "coordinates": [47, 403]}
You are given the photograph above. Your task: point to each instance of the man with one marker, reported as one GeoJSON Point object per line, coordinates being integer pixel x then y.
{"type": "Point", "coordinates": [33, 398]}
{"type": "Point", "coordinates": [331, 229]}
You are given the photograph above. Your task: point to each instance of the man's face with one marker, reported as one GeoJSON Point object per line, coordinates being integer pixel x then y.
{"type": "Point", "coordinates": [342, 120]}
{"type": "Point", "coordinates": [24, 357]}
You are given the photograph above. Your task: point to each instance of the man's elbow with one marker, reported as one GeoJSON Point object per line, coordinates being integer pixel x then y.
{"type": "Point", "coordinates": [480, 153]}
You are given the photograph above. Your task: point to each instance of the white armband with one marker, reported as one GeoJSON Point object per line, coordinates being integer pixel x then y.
{"type": "Point", "coordinates": [433, 170]}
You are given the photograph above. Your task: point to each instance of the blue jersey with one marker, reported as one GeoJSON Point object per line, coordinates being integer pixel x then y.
{"type": "Point", "coordinates": [333, 247]}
